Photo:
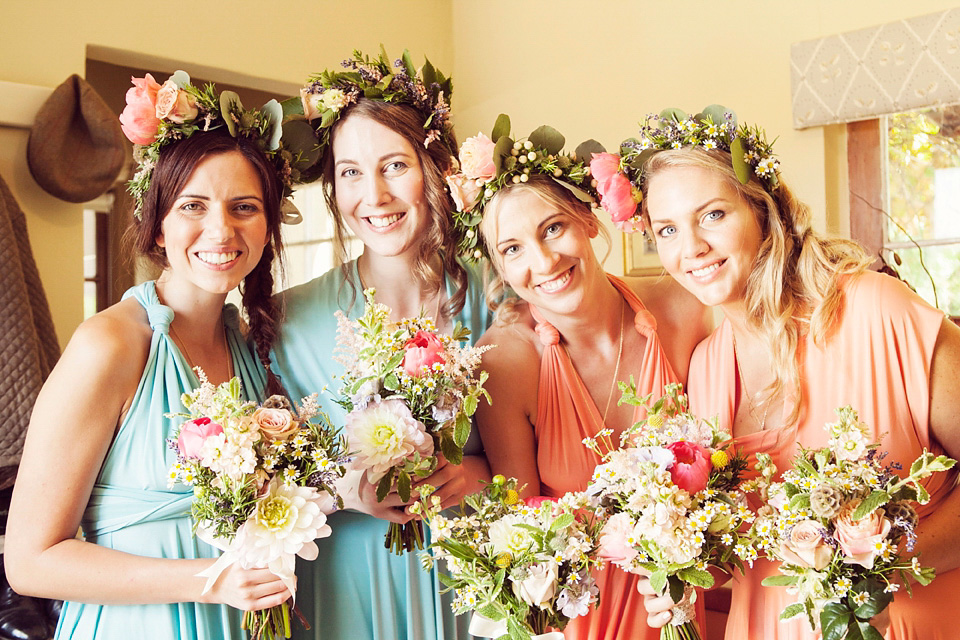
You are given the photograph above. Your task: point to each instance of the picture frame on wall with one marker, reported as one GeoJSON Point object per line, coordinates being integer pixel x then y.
{"type": "Point", "coordinates": [640, 256]}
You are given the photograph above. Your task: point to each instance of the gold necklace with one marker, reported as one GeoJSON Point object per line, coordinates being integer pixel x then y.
{"type": "Point", "coordinates": [743, 385]}
{"type": "Point", "coordinates": [186, 354]}
{"type": "Point", "coordinates": [616, 370]}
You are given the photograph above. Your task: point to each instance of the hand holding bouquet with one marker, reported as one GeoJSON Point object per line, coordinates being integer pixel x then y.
{"type": "Point", "coordinates": [410, 392]}
{"type": "Point", "coordinates": [521, 568]}
{"type": "Point", "coordinates": [835, 523]}
{"type": "Point", "coordinates": [671, 502]}
{"type": "Point", "coordinates": [262, 480]}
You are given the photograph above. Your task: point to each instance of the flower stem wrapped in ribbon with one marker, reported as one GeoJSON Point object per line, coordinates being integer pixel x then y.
{"type": "Point", "coordinates": [263, 481]}
{"type": "Point", "coordinates": [488, 164]}
{"type": "Point", "coordinates": [835, 523]}
{"type": "Point", "coordinates": [671, 502]}
{"type": "Point", "coordinates": [521, 568]}
{"type": "Point", "coordinates": [620, 177]}
{"type": "Point", "coordinates": [410, 392]}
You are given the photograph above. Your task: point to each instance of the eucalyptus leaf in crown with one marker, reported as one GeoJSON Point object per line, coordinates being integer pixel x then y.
{"type": "Point", "coordinates": [620, 178]}
{"type": "Point", "coordinates": [328, 93]}
{"type": "Point", "coordinates": [488, 164]}
{"type": "Point", "coordinates": [158, 115]}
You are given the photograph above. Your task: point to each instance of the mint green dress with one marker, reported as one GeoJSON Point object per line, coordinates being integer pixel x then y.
{"type": "Point", "coordinates": [356, 589]}
{"type": "Point", "coordinates": [131, 508]}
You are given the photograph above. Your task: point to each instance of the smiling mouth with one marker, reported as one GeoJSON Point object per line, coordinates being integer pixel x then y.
{"type": "Point", "coordinates": [706, 271]}
{"type": "Point", "coordinates": [217, 258]}
{"type": "Point", "coordinates": [551, 286]}
{"type": "Point", "coordinates": [382, 222]}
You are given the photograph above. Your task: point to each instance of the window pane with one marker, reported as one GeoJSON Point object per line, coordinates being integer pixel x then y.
{"type": "Point", "coordinates": [943, 263]}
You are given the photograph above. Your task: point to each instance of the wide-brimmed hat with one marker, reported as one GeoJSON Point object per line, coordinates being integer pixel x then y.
{"type": "Point", "coordinates": [76, 148]}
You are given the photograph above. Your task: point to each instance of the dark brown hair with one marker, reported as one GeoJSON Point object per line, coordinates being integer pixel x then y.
{"type": "Point", "coordinates": [436, 162]}
{"type": "Point", "coordinates": [176, 164]}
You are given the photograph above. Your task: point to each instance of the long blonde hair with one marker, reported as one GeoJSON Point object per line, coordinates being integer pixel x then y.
{"type": "Point", "coordinates": [554, 195]}
{"type": "Point", "coordinates": [793, 287]}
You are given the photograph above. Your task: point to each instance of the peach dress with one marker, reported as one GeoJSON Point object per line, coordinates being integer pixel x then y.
{"type": "Point", "coordinates": [877, 361]}
{"type": "Point", "coordinates": [566, 414]}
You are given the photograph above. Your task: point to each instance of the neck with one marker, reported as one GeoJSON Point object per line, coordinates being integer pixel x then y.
{"type": "Point", "coordinates": [598, 323]}
{"type": "Point", "coordinates": [391, 277]}
{"type": "Point", "coordinates": [196, 313]}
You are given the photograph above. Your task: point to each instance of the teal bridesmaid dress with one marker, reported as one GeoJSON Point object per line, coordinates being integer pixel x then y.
{"type": "Point", "coordinates": [131, 508]}
{"type": "Point", "coordinates": [357, 589]}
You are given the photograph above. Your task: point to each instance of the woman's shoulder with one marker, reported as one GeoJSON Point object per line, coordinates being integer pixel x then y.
{"type": "Point", "coordinates": [515, 338]}
{"type": "Point", "coordinates": [118, 338]}
{"type": "Point", "coordinates": [872, 293]}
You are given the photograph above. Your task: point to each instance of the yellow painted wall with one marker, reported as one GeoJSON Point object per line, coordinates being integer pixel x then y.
{"type": "Point", "coordinates": [594, 68]}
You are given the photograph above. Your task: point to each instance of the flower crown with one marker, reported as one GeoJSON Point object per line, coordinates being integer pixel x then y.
{"type": "Point", "coordinates": [158, 115]}
{"type": "Point", "coordinates": [328, 93]}
{"type": "Point", "coordinates": [490, 164]}
{"type": "Point", "coordinates": [619, 178]}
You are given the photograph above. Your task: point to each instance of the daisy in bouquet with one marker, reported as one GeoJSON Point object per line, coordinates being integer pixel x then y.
{"type": "Point", "coordinates": [522, 568]}
{"type": "Point", "coordinates": [410, 392]}
{"type": "Point", "coordinates": [841, 523]}
{"type": "Point", "coordinates": [671, 502]}
{"type": "Point", "coordinates": [262, 481]}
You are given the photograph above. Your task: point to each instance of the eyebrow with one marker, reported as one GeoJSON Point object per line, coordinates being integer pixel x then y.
{"type": "Point", "coordinates": [382, 158]}
{"type": "Point", "coordinates": [697, 209]}
{"type": "Point", "coordinates": [197, 196]}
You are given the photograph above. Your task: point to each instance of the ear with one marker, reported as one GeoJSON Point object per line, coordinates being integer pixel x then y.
{"type": "Point", "coordinates": [160, 242]}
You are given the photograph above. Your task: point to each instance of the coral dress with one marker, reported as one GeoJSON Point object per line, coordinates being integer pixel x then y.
{"type": "Point", "coordinates": [566, 414]}
{"type": "Point", "coordinates": [356, 589]}
{"type": "Point", "coordinates": [132, 509]}
{"type": "Point", "coordinates": [877, 361]}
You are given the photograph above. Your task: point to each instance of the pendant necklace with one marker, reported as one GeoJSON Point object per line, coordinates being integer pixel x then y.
{"type": "Point", "coordinates": [743, 385]}
{"type": "Point", "coordinates": [616, 370]}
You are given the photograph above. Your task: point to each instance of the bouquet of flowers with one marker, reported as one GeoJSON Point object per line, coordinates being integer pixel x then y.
{"type": "Point", "coordinates": [671, 502]}
{"type": "Point", "coordinates": [410, 392]}
{"type": "Point", "coordinates": [520, 567]}
{"type": "Point", "coordinates": [262, 481]}
{"type": "Point", "coordinates": [835, 523]}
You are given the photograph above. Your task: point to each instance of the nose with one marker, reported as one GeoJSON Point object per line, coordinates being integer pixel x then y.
{"type": "Point", "coordinates": [218, 224]}
{"type": "Point", "coordinates": [375, 190]}
{"type": "Point", "coordinates": [694, 245]}
{"type": "Point", "coordinates": [545, 258]}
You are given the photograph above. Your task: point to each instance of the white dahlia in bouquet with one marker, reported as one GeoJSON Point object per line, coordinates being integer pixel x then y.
{"type": "Point", "coordinates": [522, 568]}
{"type": "Point", "coordinates": [262, 481]}
{"type": "Point", "coordinates": [841, 523]}
{"type": "Point", "coordinates": [410, 392]}
{"type": "Point", "coordinates": [671, 502]}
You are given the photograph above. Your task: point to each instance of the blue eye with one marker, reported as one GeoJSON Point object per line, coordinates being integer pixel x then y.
{"type": "Point", "coordinates": [510, 250]}
{"type": "Point", "coordinates": [349, 173]}
{"type": "Point", "coordinates": [554, 229]}
{"type": "Point", "coordinates": [714, 215]}
{"type": "Point", "coordinates": [396, 165]}
{"type": "Point", "coordinates": [666, 231]}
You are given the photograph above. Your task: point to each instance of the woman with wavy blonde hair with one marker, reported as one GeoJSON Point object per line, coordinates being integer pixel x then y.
{"type": "Point", "coordinates": [807, 329]}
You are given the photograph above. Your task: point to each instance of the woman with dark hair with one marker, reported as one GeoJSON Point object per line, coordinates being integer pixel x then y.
{"type": "Point", "coordinates": [385, 153]}
{"type": "Point", "coordinates": [573, 333]}
{"type": "Point", "coordinates": [97, 455]}
{"type": "Point", "coordinates": [807, 329]}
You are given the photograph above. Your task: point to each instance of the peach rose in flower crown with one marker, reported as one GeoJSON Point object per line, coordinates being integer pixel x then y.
{"type": "Point", "coordinates": [859, 538]}
{"type": "Point", "coordinates": [464, 191]}
{"type": "Point", "coordinates": [139, 120]}
{"type": "Point", "coordinates": [175, 104]}
{"type": "Point", "coordinates": [422, 351]}
{"type": "Point", "coordinates": [476, 158]}
{"type": "Point", "coordinates": [805, 547]}
{"type": "Point", "coordinates": [194, 433]}
{"type": "Point", "coordinates": [616, 192]}
{"type": "Point", "coordinates": [275, 424]}
{"type": "Point", "coordinates": [691, 467]}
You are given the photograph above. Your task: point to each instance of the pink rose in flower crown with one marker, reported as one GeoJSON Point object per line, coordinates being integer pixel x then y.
{"type": "Point", "coordinates": [422, 351]}
{"type": "Point", "coordinates": [275, 424]}
{"type": "Point", "coordinates": [175, 104]}
{"type": "Point", "coordinates": [805, 546]}
{"type": "Point", "coordinates": [464, 191]}
{"type": "Point", "coordinates": [614, 536]}
{"type": "Point", "coordinates": [476, 158]}
{"type": "Point", "coordinates": [139, 120]}
{"type": "Point", "coordinates": [194, 433]}
{"type": "Point", "coordinates": [858, 538]}
{"type": "Point", "coordinates": [616, 192]}
{"type": "Point", "coordinates": [691, 467]}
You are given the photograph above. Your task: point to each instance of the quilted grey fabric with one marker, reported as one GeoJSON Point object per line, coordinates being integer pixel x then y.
{"type": "Point", "coordinates": [28, 342]}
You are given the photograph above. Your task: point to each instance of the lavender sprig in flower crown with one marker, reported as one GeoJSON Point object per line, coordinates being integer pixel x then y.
{"type": "Point", "coordinates": [488, 164]}
{"type": "Point", "coordinates": [328, 93]}
{"type": "Point", "coordinates": [158, 115]}
{"type": "Point", "coordinates": [620, 177]}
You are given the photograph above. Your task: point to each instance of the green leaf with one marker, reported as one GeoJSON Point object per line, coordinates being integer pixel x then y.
{"type": "Point", "coordinates": [676, 588]}
{"type": "Point", "coordinates": [408, 64]}
{"type": "Point", "coordinates": [876, 602]}
{"type": "Point", "coordinates": [501, 128]}
{"type": "Point", "coordinates": [383, 487]}
{"type": "Point", "coordinates": [674, 114]}
{"type": "Point", "coordinates": [642, 157]}
{"type": "Point", "coordinates": [470, 405]}
{"type": "Point", "coordinates": [800, 501]}
{"type": "Point", "coordinates": [461, 430]}
{"type": "Point", "coordinates": [502, 150]}
{"type": "Point", "coordinates": [873, 501]}
{"type": "Point", "coordinates": [793, 610]}
{"type": "Point", "coordinates": [450, 450]}
{"type": "Point", "coordinates": [835, 621]}
{"type": "Point", "coordinates": [274, 114]}
{"type": "Point", "coordinates": [547, 138]}
{"type": "Point", "coordinates": [403, 485]}
{"type": "Point", "coordinates": [563, 521]}
{"type": "Point", "coordinates": [586, 149]}
{"type": "Point", "coordinates": [658, 580]}
{"type": "Point", "coordinates": [517, 630]}
{"type": "Point", "coordinates": [391, 382]}
{"type": "Point", "coordinates": [715, 113]}
{"type": "Point", "coordinates": [180, 78]}
{"type": "Point", "coordinates": [696, 577]}
{"type": "Point", "coordinates": [428, 74]}
{"type": "Point", "coordinates": [292, 107]}
{"type": "Point", "coordinates": [300, 140]}
{"type": "Point", "coordinates": [780, 581]}
{"type": "Point", "coordinates": [867, 631]}
{"type": "Point", "coordinates": [740, 166]}
{"type": "Point", "coordinates": [230, 102]}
